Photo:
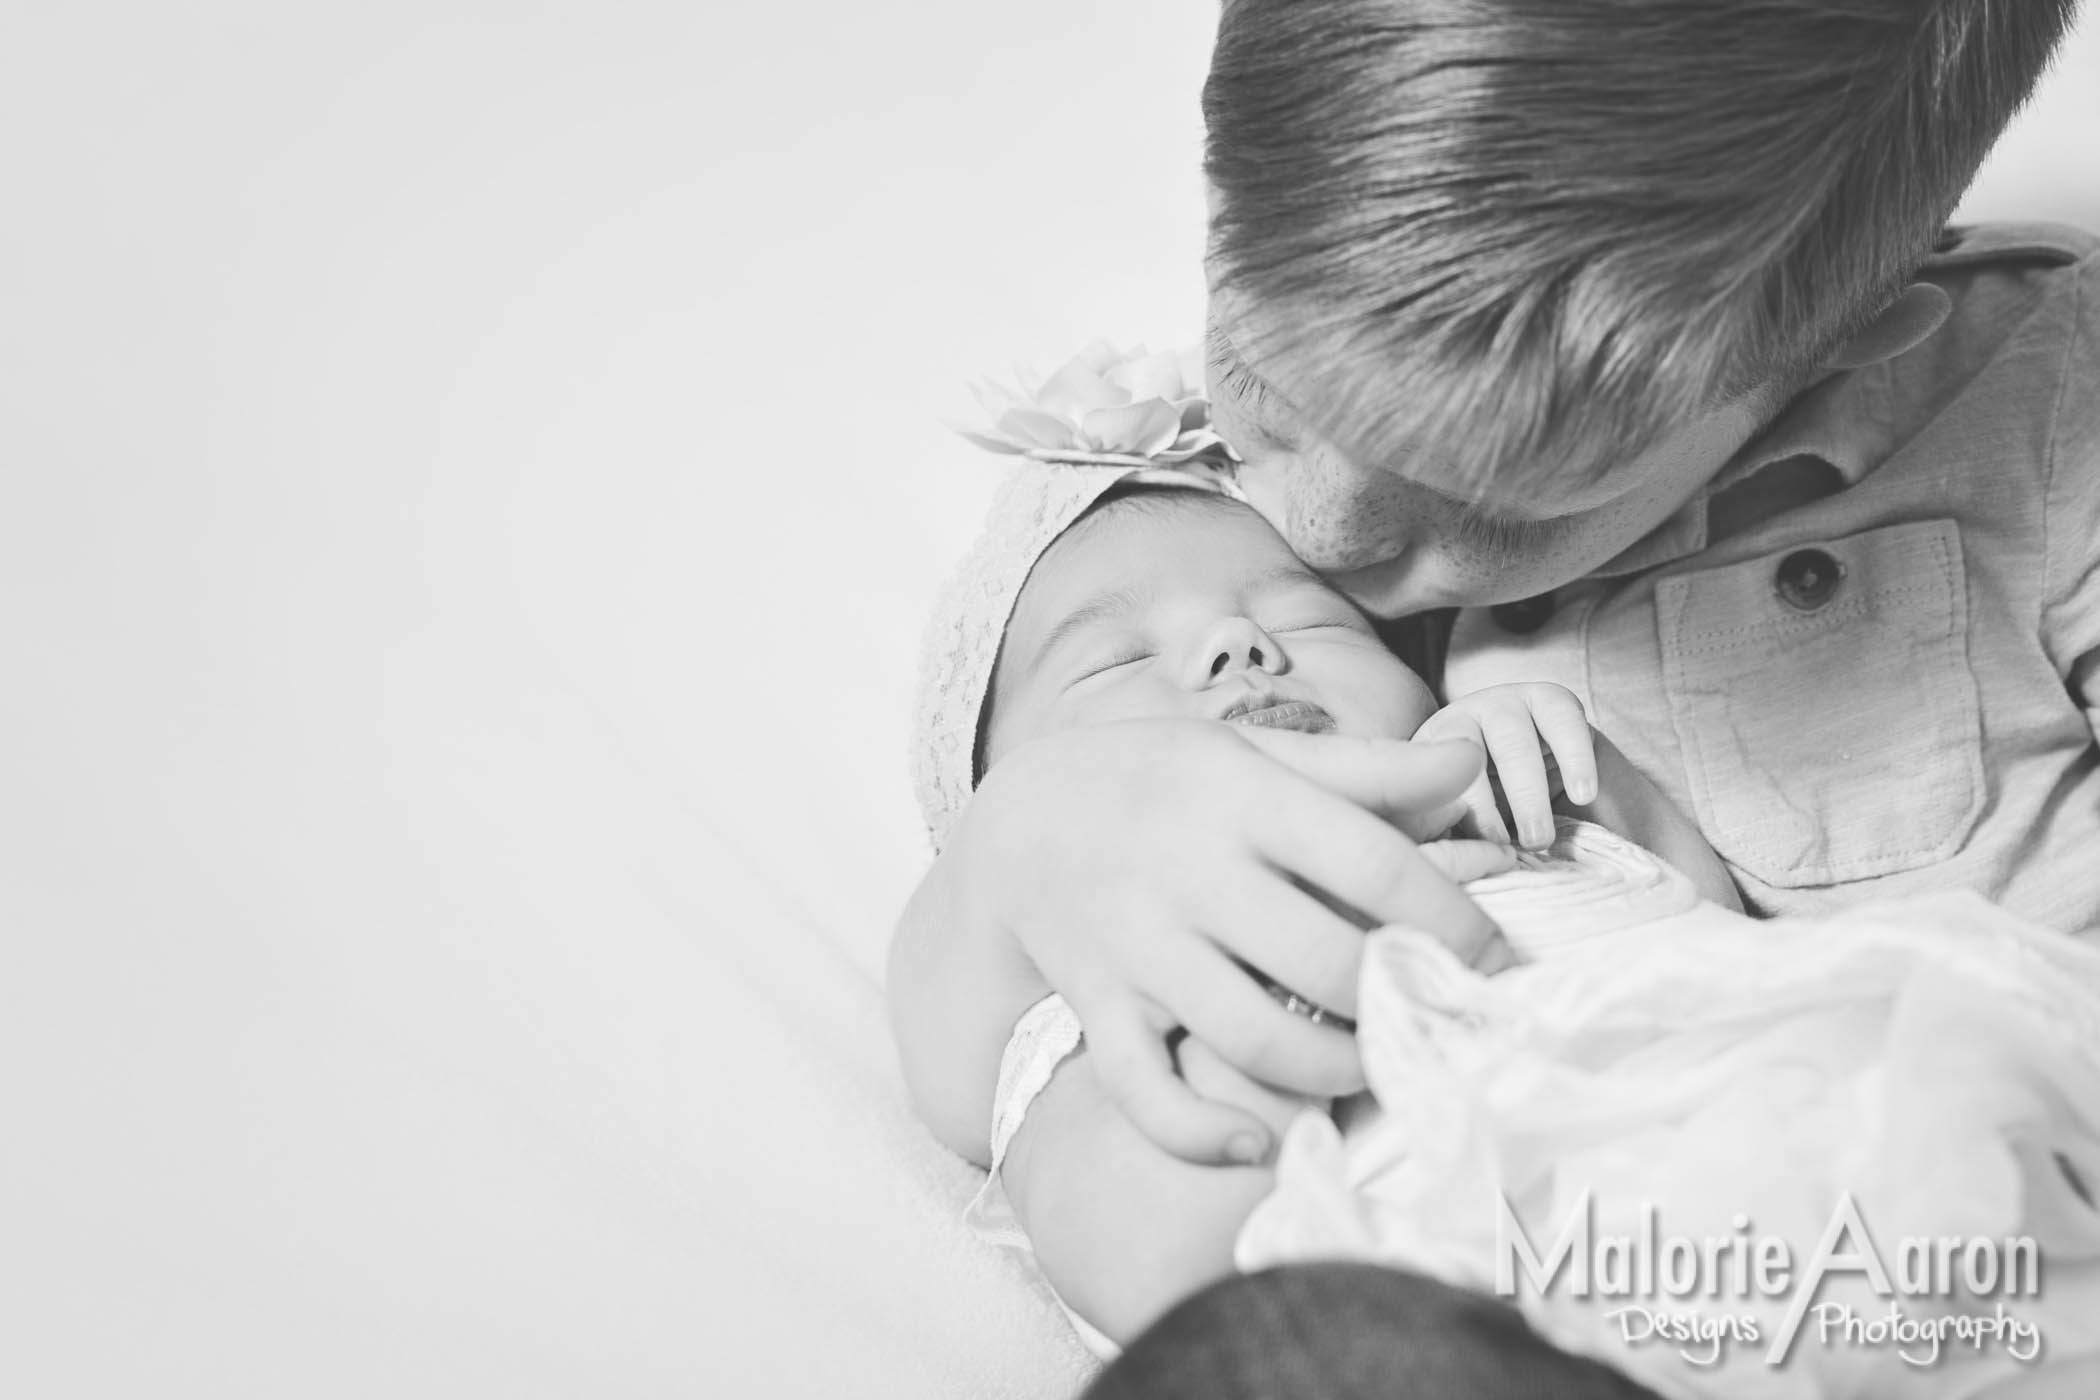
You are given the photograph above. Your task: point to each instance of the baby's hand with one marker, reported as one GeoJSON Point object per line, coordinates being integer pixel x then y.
{"type": "Point", "coordinates": [1538, 744]}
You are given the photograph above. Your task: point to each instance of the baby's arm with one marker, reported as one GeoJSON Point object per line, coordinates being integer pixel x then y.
{"type": "Point", "coordinates": [1122, 1228]}
{"type": "Point", "coordinates": [948, 994]}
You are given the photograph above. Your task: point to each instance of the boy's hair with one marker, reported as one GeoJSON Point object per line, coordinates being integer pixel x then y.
{"type": "Point", "coordinates": [1543, 231]}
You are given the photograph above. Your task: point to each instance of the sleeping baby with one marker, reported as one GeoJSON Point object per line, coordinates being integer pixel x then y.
{"type": "Point", "coordinates": [1639, 1056]}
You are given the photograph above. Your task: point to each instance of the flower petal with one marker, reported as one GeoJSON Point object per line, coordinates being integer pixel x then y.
{"type": "Point", "coordinates": [1072, 456]}
{"type": "Point", "coordinates": [1035, 428]}
{"type": "Point", "coordinates": [1203, 443]}
{"type": "Point", "coordinates": [1153, 377]}
{"type": "Point", "coordinates": [1002, 445]}
{"type": "Point", "coordinates": [1190, 361]}
{"type": "Point", "coordinates": [1076, 390]}
{"type": "Point", "coordinates": [1195, 414]}
{"type": "Point", "coordinates": [994, 399]}
{"type": "Point", "coordinates": [1100, 357]}
{"type": "Point", "coordinates": [1140, 429]}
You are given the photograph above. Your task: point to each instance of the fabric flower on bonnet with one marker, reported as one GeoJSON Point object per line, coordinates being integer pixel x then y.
{"type": "Point", "coordinates": [1108, 418]}
{"type": "Point", "coordinates": [1106, 407]}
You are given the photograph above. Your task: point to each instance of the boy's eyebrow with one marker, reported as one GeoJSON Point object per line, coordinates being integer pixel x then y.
{"type": "Point", "coordinates": [1482, 518]}
{"type": "Point", "coordinates": [1223, 356]}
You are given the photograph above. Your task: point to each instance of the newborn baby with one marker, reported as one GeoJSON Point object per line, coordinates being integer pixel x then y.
{"type": "Point", "coordinates": [1104, 597]}
{"type": "Point", "coordinates": [1165, 601]}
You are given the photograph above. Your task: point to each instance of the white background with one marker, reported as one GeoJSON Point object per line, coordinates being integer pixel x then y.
{"type": "Point", "coordinates": [468, 468]}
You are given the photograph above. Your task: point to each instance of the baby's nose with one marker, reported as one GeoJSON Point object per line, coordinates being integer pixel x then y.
{"type": "Point", "coordinates": [1250, 657]}
{"type": "Point", "coordinates": [1237, 644]}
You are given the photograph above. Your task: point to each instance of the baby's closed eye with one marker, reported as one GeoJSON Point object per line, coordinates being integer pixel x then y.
{"type": "Point", "coordinates": [1111, 661]}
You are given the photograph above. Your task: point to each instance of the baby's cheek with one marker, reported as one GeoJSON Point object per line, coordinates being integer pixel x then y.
{"type": "Point", "coordinates": [1385, 700]}
{"type": "Point", "coordinates": [1144, 696]}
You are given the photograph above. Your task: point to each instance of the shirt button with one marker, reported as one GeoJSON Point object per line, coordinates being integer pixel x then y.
{"type": "Point", "coordinates": [1807, 579]}
{"type": "Point", "coordinates": [1524, 617]}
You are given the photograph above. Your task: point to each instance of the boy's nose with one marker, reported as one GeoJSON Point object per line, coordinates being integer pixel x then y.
{"type": "Point", "coordinates": [1233, 645]}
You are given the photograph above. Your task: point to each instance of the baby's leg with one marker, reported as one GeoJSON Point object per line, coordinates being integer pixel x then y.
{"type": "Point", "coordinates": [1350, 1332]}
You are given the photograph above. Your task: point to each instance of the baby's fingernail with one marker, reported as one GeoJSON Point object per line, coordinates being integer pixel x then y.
{"type": "Point", "coordinates": [1246, 1147]}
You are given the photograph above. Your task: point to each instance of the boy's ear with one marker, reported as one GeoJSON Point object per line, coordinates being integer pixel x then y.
{"type": "Point", "coordinates": [1902, 325]}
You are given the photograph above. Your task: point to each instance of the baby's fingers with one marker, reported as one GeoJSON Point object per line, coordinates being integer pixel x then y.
{"type": "Point", "coordinates": [1135, 1068]}
{"type": "Point", "coordinates": [1520, 767]}
{"type": "Point", "coordinates": [1483, 815]}
{"type": "Point", "coordinates": [1566, 731]}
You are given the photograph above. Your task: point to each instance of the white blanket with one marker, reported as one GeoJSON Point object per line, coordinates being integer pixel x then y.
{"type": "Point", "coordinates": [1664, 1069]}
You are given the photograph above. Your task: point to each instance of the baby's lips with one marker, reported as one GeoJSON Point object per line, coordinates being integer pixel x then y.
{"type": "Point", "coordinates": [1300, 715]}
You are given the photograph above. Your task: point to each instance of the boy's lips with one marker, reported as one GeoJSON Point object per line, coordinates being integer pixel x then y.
{"type": "Point", "coordinates": [1267, 711]}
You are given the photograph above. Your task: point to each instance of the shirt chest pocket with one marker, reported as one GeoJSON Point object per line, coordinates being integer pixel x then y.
{"type": "Point", "coordinates": [1824, 704]}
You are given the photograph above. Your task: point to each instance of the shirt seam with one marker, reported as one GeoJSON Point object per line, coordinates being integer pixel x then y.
{"type": "Point", "coordinates": [2049, 592]}
{"type": "Point", "coordinates": [1736, 638]}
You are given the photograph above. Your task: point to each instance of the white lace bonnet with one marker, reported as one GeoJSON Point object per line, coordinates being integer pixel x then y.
{"type": "Point", "coordinates": [1105, 420]}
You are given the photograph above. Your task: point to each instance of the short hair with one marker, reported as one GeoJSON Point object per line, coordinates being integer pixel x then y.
{"type": "Point", "coordinates": [1544, 231]}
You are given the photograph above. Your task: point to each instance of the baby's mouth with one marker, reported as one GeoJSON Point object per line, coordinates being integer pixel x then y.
{"type": "Point", "coordinates": [1270, 712]}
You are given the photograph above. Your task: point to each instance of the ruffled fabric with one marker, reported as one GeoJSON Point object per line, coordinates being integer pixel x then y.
{"type": "Point", "coordinates": [1588, 883]}
{"type": "Point", "coordinates": [1047, 1035]}
{"type": "Point", "coordinates": [1937, 1059]}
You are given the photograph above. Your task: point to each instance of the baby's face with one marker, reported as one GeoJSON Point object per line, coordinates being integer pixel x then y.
{"type": "Point", "coordinates": [1184, 604]}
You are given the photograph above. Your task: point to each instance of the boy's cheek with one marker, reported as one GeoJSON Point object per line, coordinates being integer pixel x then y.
{"type": "Point", "coordinates": [1329, 520]}
{"type": "Point", "coordinates": [1338, 524]}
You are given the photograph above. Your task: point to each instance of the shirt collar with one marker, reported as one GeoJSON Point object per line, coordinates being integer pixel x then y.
{"type": "Point", "coordinates": [1842, 420]}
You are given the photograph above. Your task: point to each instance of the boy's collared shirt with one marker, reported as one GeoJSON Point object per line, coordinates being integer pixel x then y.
{"type": "Point", "coordinates": [1867, 658]}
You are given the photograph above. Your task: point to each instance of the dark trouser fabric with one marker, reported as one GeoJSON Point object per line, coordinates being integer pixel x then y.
{"type": "Point", "coordinates": [1350, 1332]}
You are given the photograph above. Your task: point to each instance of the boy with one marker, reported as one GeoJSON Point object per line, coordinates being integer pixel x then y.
{"type": "Point", "coordinates": [1620, 328]}
{"type": "Point", "coordinates": [1632, 332]}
